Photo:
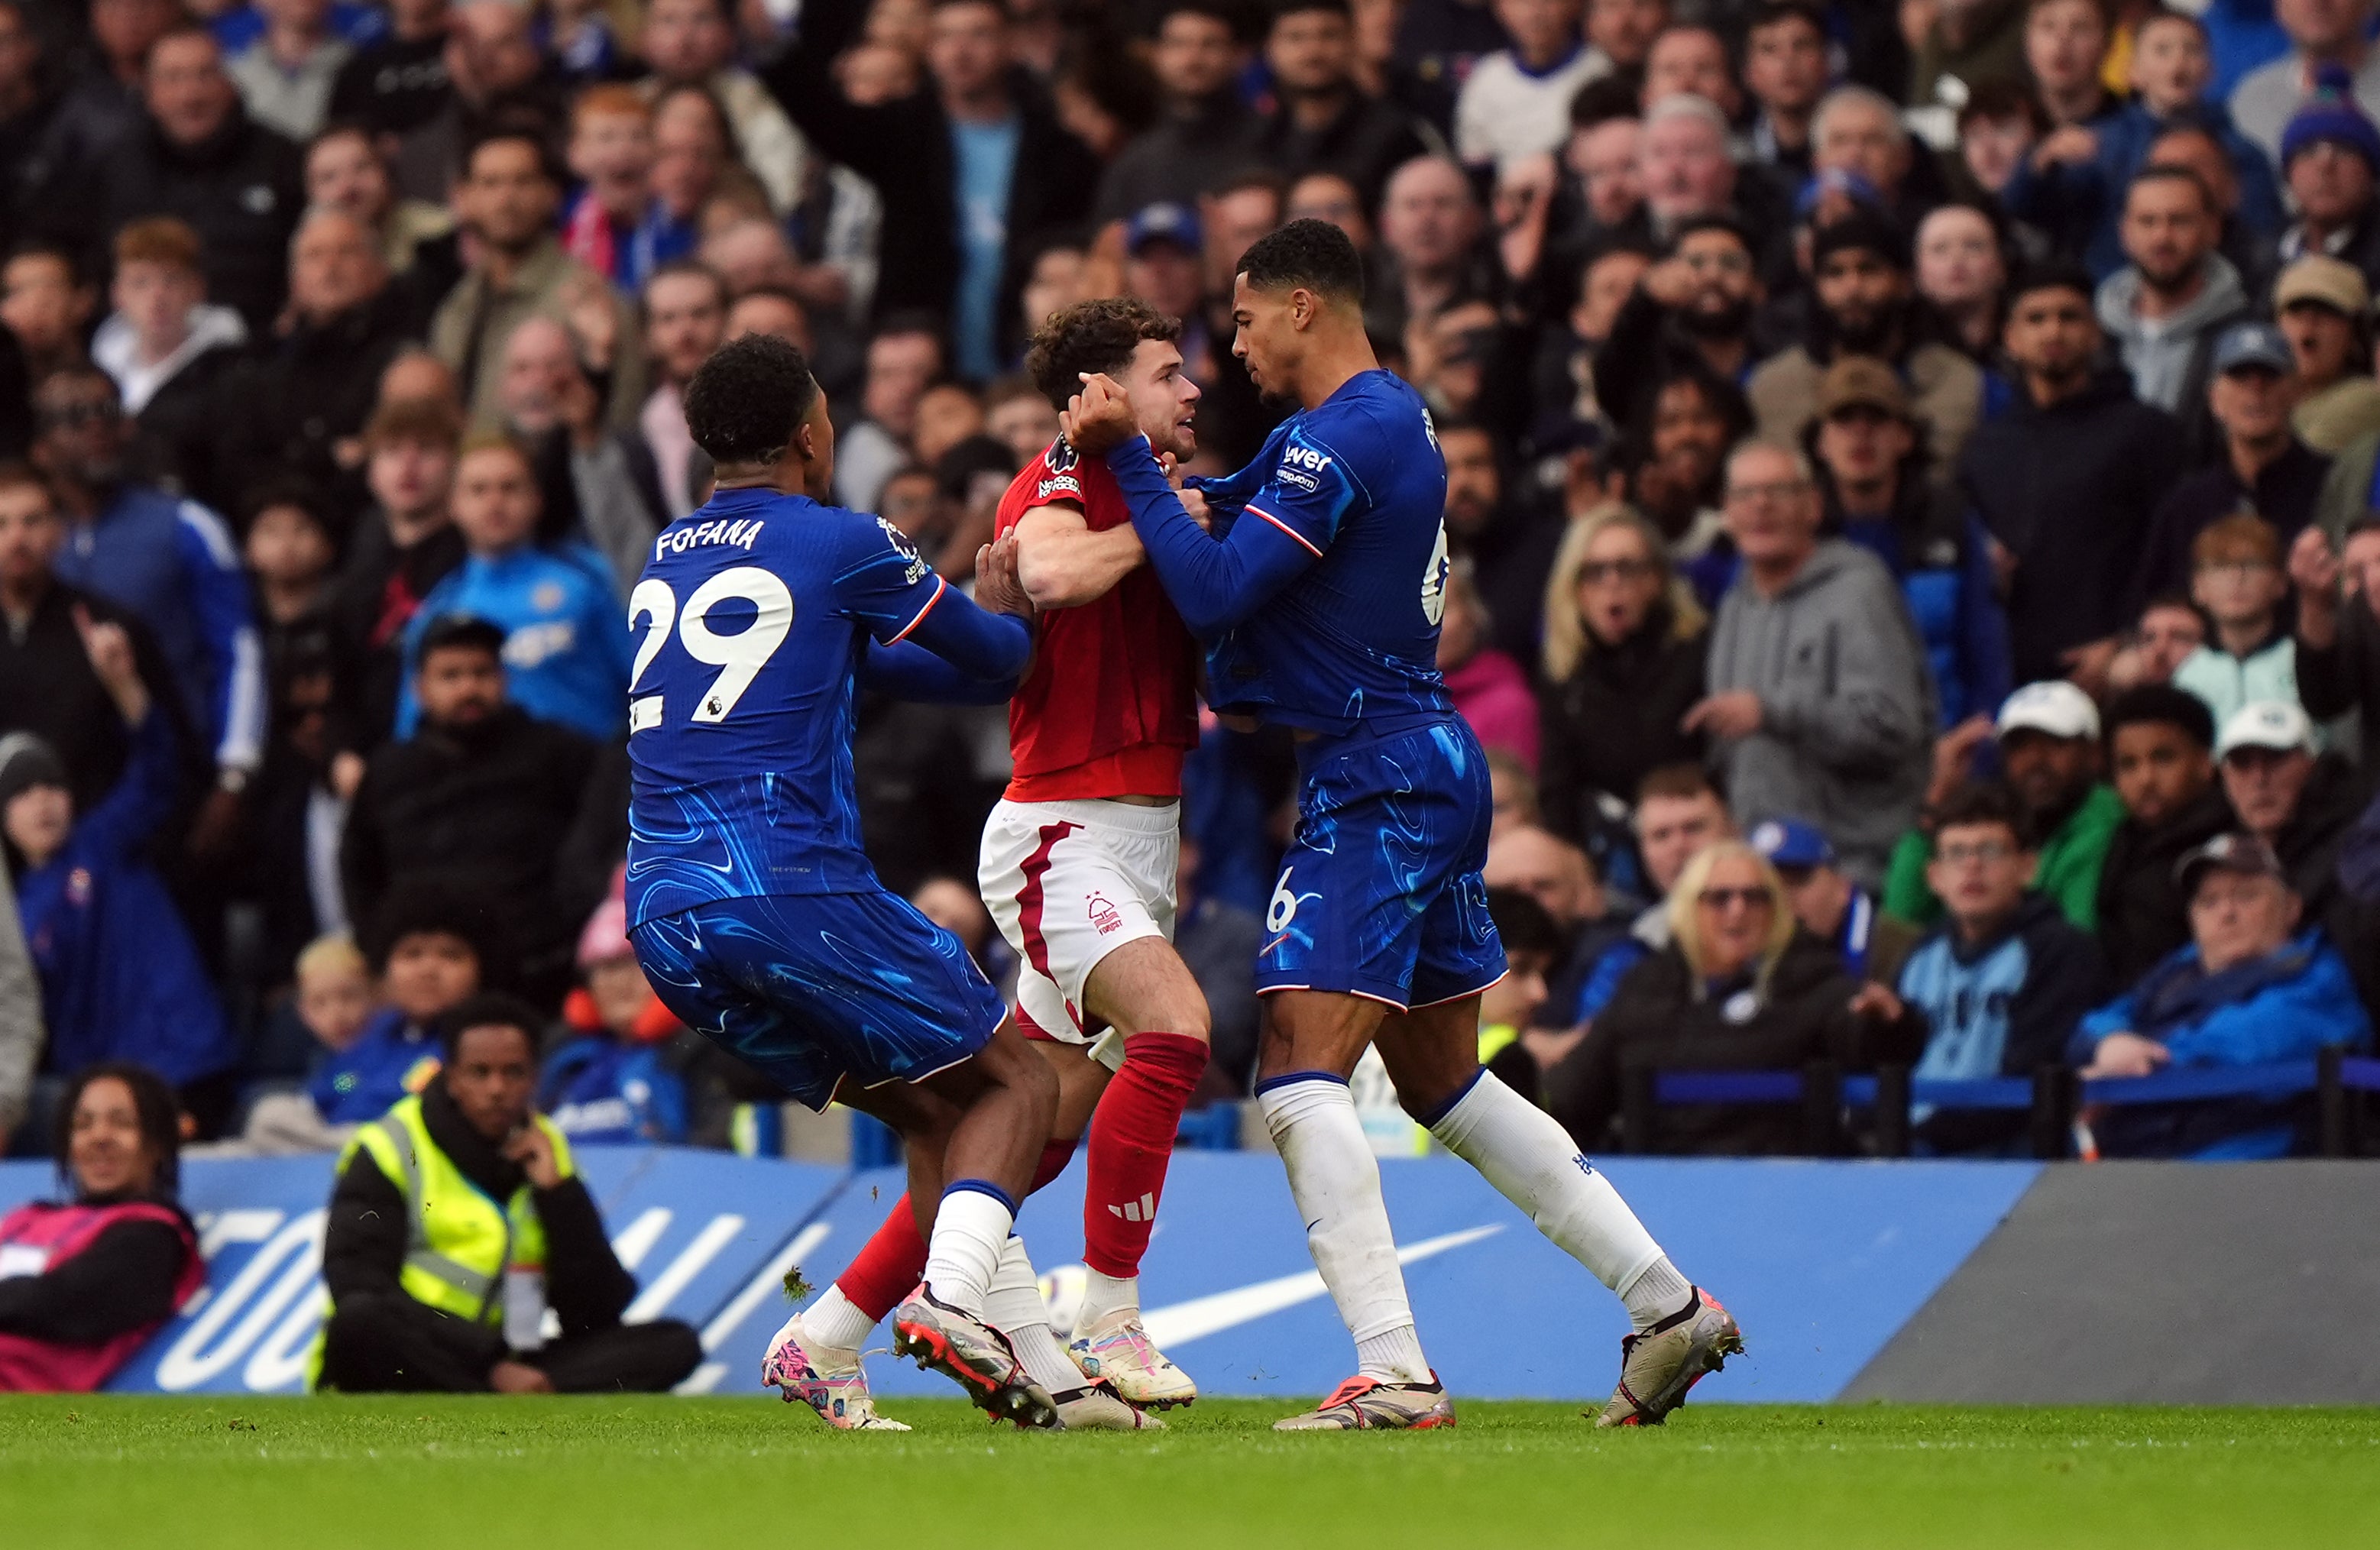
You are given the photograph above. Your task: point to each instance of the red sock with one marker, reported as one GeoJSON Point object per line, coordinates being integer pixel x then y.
{"type": "Point", "coordinates": [1132, 1142]}
{"type": "Point", "coordinates": [893, 1261]}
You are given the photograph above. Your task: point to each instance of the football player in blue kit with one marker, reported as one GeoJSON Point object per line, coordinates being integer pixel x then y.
{"type": "Point", "coordinates": [1319, 593]}
{"type": "Point", "coordinates": [753, 911]}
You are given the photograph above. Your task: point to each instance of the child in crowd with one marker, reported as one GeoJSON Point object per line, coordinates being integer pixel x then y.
{"type": "Point", "coordinates": [120, 977]}
{"type": "Point", "coordinates": [433, 953]}
{"type": "Point", "coordinates": [2236, 577]}
{"type": "Point", "coordinates": [614, 1079]}
{"type": "Point", "coordinates": [335, 991]}
{"type": "Point", "coordinates": [565, 655]}
{"type": "Point", "coordinates": [2072, 184]}
{"type": "Point", "coordinates": [334, 1003]}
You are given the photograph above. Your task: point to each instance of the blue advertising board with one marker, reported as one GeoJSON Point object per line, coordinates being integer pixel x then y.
{"type": "Point", "coordinates": [1822, 1262]}
{"type": "Point", "coordinates": [703, 1232]}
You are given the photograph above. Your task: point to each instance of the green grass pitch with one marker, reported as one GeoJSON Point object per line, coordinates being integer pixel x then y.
{"type": "Point", "coordinates": [651, 1472]}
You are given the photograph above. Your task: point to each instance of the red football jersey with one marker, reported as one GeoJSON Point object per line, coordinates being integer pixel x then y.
{"type": "Point", "coordinates": [1110, 704]}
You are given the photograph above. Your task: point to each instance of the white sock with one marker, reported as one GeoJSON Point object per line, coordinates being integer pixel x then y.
{"type": "Point", "coordinates": [1336, 1182]}
{"type": "Point", "coordinates": [1528, 1156]}
{"type": "Point", "coordinates": [835, 1322]}
{"type": "Point", "coordinates": [1393, 1356]}
{"type": "Point", "coordinates": [1014, 1306]}
{"type": "Point", "coordinates": [970, 1228]}
{"type": "Point", "coordinates": [1656, 1294]}
{"type": "Point", "coordinates": [1105, 1296]}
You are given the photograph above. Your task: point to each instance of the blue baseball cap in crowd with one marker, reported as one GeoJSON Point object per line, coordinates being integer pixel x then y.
{"type": "Point", "coordinates": [1163, 222]}
{"type": "Point", "coordinates": [2252, 344]}
{"type": "Point", "coordinates": [1789, 843]}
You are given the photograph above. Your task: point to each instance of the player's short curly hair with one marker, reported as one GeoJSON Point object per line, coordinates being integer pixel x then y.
{"type": "Point", "coordinates": [747, 401]}
{"type": "Point", "coordinates": [1091, 336]}
{"type": "Point", "coordinates": [1311, 253]}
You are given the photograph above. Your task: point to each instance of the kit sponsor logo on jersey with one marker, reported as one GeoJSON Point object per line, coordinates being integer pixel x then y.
{"type": "Point", "coordinates": [1301, 466]}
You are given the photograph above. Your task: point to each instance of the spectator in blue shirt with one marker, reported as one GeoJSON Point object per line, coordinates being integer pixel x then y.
{"type": "Point", "coordinates": [1999, 985]}
{"type": "Point", "coordinates": [120, 980]}
{"type": "Point", "coordinates": [2254, 987]}
{"type": "Point", "coordinates": [565, 651]}
{"type": "Point", "coordinates": [171, 562]}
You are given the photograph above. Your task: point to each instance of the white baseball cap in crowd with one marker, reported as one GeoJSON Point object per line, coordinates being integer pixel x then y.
{"type": "Point", "coordinates": [2266, 723]}
{"type": "Point", "coordinates": [2054, 707]}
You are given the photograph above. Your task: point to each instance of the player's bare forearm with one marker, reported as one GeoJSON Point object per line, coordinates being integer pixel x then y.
{"type": "Point", "coordinates": [1063, 567]}
{"type": "Point", "coordinates": [1214, 583]}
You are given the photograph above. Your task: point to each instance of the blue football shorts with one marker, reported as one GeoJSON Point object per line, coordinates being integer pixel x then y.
{"type": "Point", "coordinates": [1380, 894]}
{"type": "Point", "coordinates": [810, 989]}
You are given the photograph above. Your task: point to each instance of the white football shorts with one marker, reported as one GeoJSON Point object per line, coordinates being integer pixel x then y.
{"type": "Point", "coordinates": [1070, 883]}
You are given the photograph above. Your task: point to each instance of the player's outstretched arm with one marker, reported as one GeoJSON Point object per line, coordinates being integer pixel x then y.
{"type": "Point", "coordinates": [1214, 583]}
{"type": "Point", "coordinates": [910, 671]}
{"type": "Point", "coordinates": [980, 645]}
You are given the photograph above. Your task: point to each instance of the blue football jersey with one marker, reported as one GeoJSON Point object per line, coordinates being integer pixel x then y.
{"type": "Point", "coordinates": [1359, 482]}
{"type": "Point", "coordinates": [750, 625]}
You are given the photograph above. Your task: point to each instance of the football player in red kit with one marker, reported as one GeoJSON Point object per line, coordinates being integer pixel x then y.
{"type": "Point", "coordinates": [1078, 867]}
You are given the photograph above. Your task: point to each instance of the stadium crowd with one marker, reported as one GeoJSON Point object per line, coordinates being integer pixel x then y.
{"type": "Point", "coordinates": [1911, 476]}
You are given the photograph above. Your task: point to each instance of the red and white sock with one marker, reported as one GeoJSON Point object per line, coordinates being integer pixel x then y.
{"type": "Point", "coordinates": [1131, 1144]}
{"type": "Point", "coordinates": [892, 1262]}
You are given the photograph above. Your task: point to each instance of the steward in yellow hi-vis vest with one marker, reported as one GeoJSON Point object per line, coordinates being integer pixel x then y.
{"type": "Point", "coordinates": [458, 1225]}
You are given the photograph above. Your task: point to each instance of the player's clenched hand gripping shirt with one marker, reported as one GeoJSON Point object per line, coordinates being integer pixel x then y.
{"type": "Point", "coordinates": [751, 625]}
{"type": "Point", "coordinates": [1321, 603]}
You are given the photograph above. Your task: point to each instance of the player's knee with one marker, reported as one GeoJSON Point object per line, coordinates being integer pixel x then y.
{"type": "Point", "coordinates": [1032, 1080]}
{"type": "Point", "coordinates": [1187, 1016]}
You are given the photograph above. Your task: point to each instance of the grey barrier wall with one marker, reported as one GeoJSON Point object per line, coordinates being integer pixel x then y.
{"type": "Point", "coordinates": [2112, 1283]}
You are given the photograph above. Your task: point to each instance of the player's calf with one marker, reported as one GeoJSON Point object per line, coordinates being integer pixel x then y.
{"type": "Point", "coordinates": [1148, 996]}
